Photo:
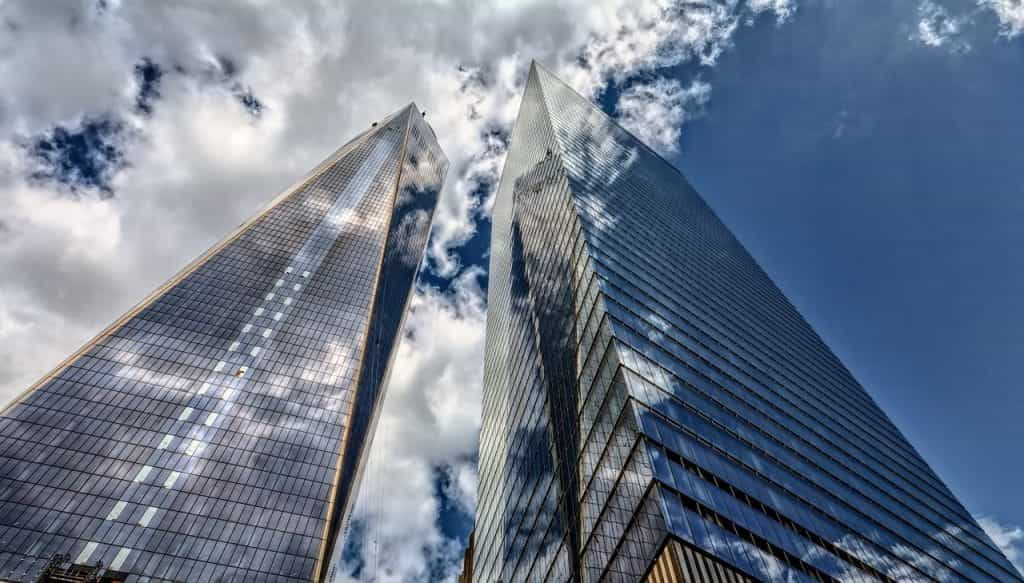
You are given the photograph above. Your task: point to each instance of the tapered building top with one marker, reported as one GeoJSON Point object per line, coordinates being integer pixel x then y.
{"type": "Point", "coordinates": [216, 431]}
{"type": "Point", "coordinates": [654, 407]}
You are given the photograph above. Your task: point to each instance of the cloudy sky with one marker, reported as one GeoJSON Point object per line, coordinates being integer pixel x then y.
{"type": "Point", "coordinates": [867, 153]}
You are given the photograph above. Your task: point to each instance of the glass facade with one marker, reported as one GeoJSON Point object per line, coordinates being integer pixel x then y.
{"type": "Point", "coordinates": [216, 431]}
{"type": "Point", "coordinates": [647, 384]}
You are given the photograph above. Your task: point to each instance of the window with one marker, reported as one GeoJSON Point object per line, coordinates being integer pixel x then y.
{"type": "Point", "coordinates": [147, 516]}
{"type": "Point", "coordinates": [83, 557]}
{"type": "Point", "coordinates": [171, 479]}
{"type": "Point", "coordinates": [120, 558]}
{"type": "Point", "coordinates": [116, 510]}
{"type": "Point", "coordinates": [143, 474]}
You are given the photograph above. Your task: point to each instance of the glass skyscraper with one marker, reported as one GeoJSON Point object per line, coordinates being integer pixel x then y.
{"type": "Point", "coordinates": [655, 408]}
{"type": "Point", "coordinates": [216, 431]}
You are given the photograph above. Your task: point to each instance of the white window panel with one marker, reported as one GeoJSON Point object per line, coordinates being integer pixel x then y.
{"type": "Point", "coordinates": [165, 442]}
{"type": "Point", "coordinates": [116, 510]}
{"type": "Point", "coordinates": [147, 516]}
{"type": "Point", "coordinates": [185, 414]}
{"type": "Point", "coordinates": [143, 473]}
{"type": "Point", "coordinates": [86, 554]}
{"type": "Point", "coordinates": [234, 346]}
{"type": "Point", "coordinates": [211, 419]}
{"type": "Point", "coordinates": [278, 316]}
{"type": "Point", "coordinates": [120, 558]}
{"type": "Point", "coordinates": [193, 447]}
{"type": "Point", "coordinates": [246, 328]}
{"type": "Point", "coordinates": [266, 332]}
{"type": "Point", "coordinates": [171, 479]}
{"type": "Point", "coordinates": [287, 301]}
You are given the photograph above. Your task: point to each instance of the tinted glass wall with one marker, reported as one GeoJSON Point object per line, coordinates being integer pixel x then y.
{"type": "Point", "coordinates": [645, 381]}
{"type": "Point", "coordinates": [215, 431]}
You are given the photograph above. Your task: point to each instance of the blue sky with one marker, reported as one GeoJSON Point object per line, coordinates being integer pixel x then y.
{"type": "Point", "coordinates": [867, 153]}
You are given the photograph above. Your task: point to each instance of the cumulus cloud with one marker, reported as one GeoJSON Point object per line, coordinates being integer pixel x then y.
{"type": "Point", "coordinates": [1010, 14]}
{"type": "Point", "coordinates": [655, 111]}
{"type": "Point", "coordinates": [215, 107]}
{"type": "Point", "coordinates": [646, 36]}
{"type": "Point", "coordinates": [430, 420]}
{"type": "Point", "coordinates": [783, 9]}
{"type": "Point", "coordinates": [1009, 539]}
{"type": "Point", "coordinates": [936, 27]}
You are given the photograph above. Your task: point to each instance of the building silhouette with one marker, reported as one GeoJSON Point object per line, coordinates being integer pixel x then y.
{"type": "Point", "coordinates": [655, 408]}
{"type": "Point", "coordinates": [216, 431]}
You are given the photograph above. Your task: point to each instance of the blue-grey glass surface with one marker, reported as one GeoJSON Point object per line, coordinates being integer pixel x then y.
{"type": "Point", "coordinates": [215, 432]}
{"type": "Point", "coordinates": [645, 379]}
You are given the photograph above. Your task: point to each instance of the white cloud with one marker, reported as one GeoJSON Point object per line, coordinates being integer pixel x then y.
{"type": "Point", "coordinates": [936, 27]}
{"type": "Point", "coordinates": [646, 36]}
{"type": "Point", "coordinates": [200, 163]}
{"type": "Point", "coordinates": [1010, 14]}
{"type": "Point", "coordinates": [1009, 539]}
{"type": "Point", "coordinates": [783, 9]}
{"type": "Point", "coordinates": [430, 419]}
{"type": "Point", "coordinates": [655, 111]}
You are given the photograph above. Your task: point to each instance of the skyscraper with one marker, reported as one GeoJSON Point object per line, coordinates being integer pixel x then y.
{"type": "Point", "coordinates": [655, 408]}
{"type": "Point", "coordinates": [215, 432]}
